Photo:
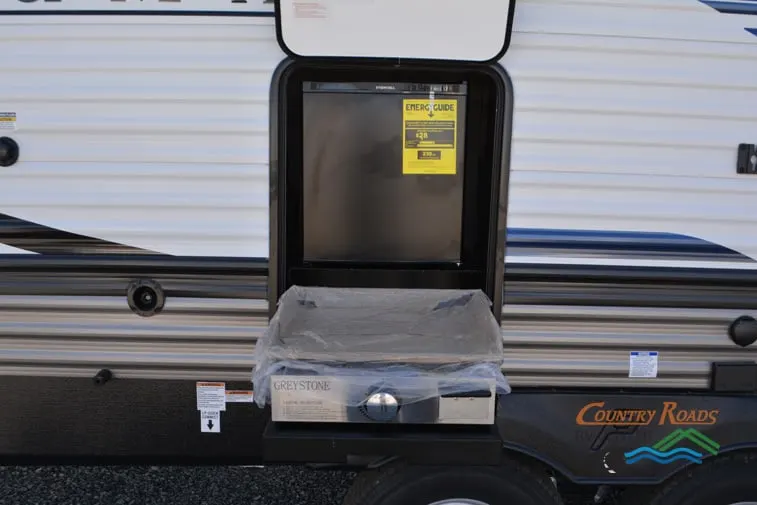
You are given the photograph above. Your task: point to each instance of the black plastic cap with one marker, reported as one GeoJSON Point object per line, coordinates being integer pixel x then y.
{"type": "Point", "coordinates": [9, 151]}
{"type": "Point", "coordinates": [102, 377]}
{"type": "Point", "coordinates": [743, 331]}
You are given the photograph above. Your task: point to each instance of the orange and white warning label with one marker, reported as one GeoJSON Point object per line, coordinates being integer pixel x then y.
{"type": "Point", "coordinates": [239, 396]}
{"type": "Point", "coordinates": [211, 396]}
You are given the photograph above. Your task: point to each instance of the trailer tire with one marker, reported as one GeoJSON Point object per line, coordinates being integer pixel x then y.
{"type": "Point", "coordinates": [512, 483]}
{"type": "Point", "coordinates": [726, 480]}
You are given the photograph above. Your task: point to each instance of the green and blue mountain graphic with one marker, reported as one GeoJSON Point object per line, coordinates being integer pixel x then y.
{"type": "Point", "coordinates": [665, 451]}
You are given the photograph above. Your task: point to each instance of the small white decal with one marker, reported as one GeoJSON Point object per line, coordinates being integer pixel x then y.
{"type": "Point", "coordinates": [643, 364]}
{"type": "Point", "coordinates": [239, 397]}
{"type": "Point", "coordinates": [210, 421]}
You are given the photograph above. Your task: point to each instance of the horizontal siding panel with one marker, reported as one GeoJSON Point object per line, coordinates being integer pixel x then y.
{"type": "Point", "coordinates": [165, 192]}
{"type": "Point", "coordinates": [77, 336]}
{"type": "Point", "coordinates": [118, 171]}
{"type": "Point", "coordinates": [617, 99]}
{"type": "Point", "coordinates": [590, 125]}
{"type": "Point", "coordinates": [687, 20]}
{"type": "Point", "coordinates": [688, 166]}
{"type": "Point", "coordinates": [198, 339]}
{"type": "Point", "coordinates": [129, 63]}
{"type": "Point", "coordinates": [630, 68]}
{"type": "Point", "coordinates": [609, 45]}
{"type": "Point", "coordinates": [195, 88]}
{"type": "Point", "coordinates": [144, 148]}
{"type": "Point", "coordinates": [118, 119]}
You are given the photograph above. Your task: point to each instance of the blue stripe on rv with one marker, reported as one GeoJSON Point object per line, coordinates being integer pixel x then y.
{"type": "Point", "coordinates": [744, 7]}
{"type": "Point", "coordinates": [615, 244]}
{"type": "Point", "coordinates": [748, 7]}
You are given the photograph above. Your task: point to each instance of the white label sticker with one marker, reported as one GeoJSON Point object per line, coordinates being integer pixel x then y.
{"type": "Point", "coordinates": [239, 397]}
{"type": "Point", "coordinates": [210, 421]}
{"type": "Point", "coordinates": [211, 396]}
{"type": "Point", "coordinates": [7, 120]}
{"type": "Point", "coordinates": [310, 10]}
{"type": "Point", "coordinates": [643, 364]}
{"type": "Point", "coordinates": [309, 399]}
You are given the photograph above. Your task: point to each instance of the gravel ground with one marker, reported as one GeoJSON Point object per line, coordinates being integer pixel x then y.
{"type": "Point", "coordinates": [170, 486]}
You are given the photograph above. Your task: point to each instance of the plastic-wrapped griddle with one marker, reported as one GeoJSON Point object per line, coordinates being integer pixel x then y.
{"type": "Point", "coordinates": [426, 343]}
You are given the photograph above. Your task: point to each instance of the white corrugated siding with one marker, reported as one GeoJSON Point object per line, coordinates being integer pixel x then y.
{"type": "Point", "coordinates": [147, 131]}
{"type": "Point", "coordinates": [628, 115]}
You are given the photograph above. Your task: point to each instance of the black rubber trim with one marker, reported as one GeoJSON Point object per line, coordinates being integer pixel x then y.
{"type": "Point", "coordinates": [109, 275]}
{"type": "Point", "coordinates": [285, 443]}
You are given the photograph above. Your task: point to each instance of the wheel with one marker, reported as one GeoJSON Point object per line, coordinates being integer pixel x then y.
{"type": "Point", "coordinates": [512, 483]}
{"type": "Point", "coordinates": [727, 480]}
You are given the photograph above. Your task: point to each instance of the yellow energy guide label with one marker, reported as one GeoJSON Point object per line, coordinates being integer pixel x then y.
{"type": "Point", "coordinates": [430, 136]}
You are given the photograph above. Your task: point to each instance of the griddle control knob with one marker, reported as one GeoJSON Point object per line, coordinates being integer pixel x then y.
{"type": "Point", "coordinates": [743, 331]}
{"type": "Point", "coordinates": [381, 407]}
{"type": "Point", "coordinates": [9, 151]}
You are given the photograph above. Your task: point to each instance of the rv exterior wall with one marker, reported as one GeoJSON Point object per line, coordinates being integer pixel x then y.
{"type": "Point", "coordinates": [151, 132]}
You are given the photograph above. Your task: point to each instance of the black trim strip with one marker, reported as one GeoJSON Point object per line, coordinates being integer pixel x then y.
{"type": "Point", "coordinates": [630, 286]}
{"type": "Point", "coordinates": [247, 278]}
{"type": "Point", "coordinates": [41, 239]}
{"type": "Point", "coordinates": [109, 275]}
{"type": "Point", "coordinates": [612, 294]}
{"type": "Point", "coordinates": [619, 274]}
{"type": "Point", "coordinates": [256, 14]}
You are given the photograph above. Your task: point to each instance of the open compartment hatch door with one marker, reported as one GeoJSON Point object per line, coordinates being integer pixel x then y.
{"type": "Point", "coordinates": [453, 30]}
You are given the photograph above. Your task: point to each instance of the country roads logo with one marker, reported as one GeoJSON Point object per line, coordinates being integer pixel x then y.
{"type": "Point", "coordinates": [665, 451]}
